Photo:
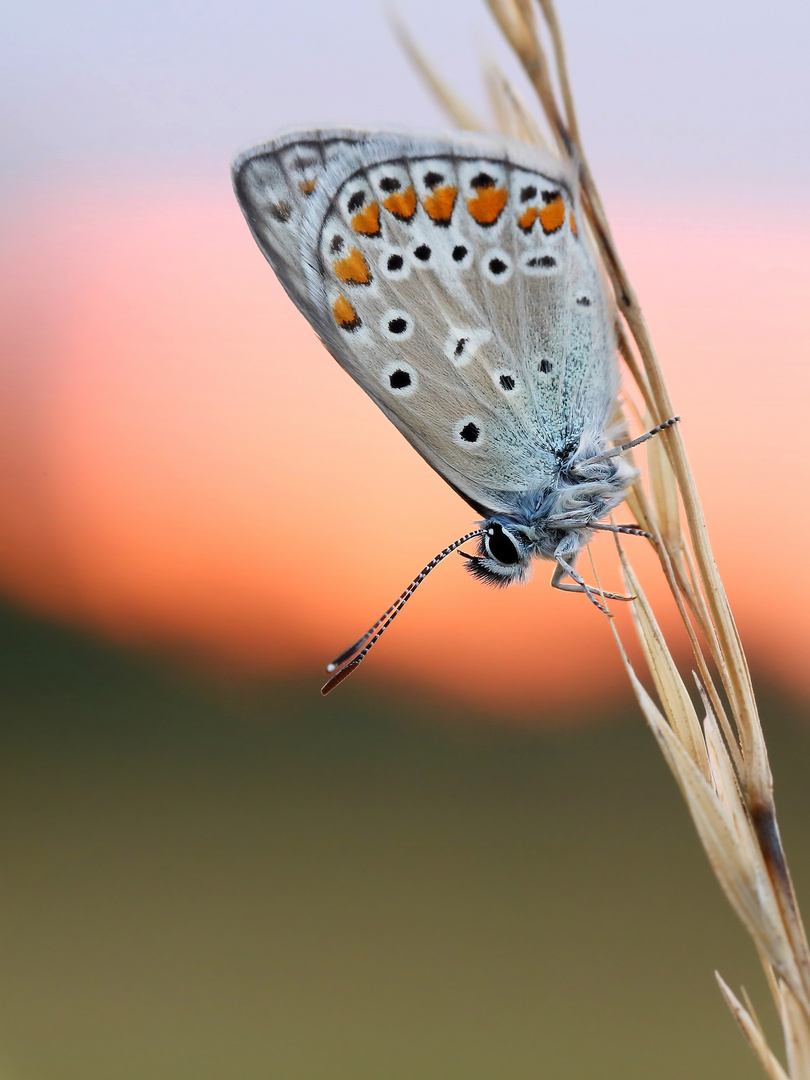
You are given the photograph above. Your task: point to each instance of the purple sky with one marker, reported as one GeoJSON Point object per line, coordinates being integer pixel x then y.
{"type": "Point", "coordinates": [698, 98]}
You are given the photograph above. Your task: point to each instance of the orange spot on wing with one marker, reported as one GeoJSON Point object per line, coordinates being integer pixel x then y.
{"type": "Point", "coordinates": [345, 315]}
{"type": "Point", "coordinates": [439, 204]}
{"type": "Point", "coordinates": [307, 186]}
{"type": "Point", "coordinates": [353, 269]}
{"type": "Point", "coordinates": [573, 222]}
{"type": "Point", "coordinates": [402, 204]}
{"type": "Point", "coordinates": [528, 218]}
{"type": "Point", "coordinates": [552, 216]}
{"type": "Point", "coordinates": [367, 220]}
{"type": "Point", "coordinates": [486, 205]}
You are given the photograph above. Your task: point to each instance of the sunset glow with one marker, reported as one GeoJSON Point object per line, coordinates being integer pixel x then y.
{"type": "Point", "coordinates": [184, 464]}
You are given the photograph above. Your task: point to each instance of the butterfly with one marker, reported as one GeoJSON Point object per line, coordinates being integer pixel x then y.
{"type": "Point", "coordinates": [451, 278]}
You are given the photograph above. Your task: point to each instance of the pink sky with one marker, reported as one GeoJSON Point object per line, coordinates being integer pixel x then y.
{"type": "Point", "coordinates": [184, 464]}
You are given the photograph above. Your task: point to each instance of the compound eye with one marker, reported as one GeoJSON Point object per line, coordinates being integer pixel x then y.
{"type": "Point", "coordinates": [500, 546]}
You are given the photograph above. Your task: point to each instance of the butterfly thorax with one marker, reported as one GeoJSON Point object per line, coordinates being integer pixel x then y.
{"type": "Point", "coordinates": [550, 523]}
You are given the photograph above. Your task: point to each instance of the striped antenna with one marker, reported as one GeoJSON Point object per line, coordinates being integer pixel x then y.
{"type": "Point", "coordinates": [628, 445]}
{"type": "Point", "coordinates": [350, 658]}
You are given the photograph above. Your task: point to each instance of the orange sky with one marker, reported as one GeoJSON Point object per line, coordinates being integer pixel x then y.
{"type": "Point", "coordinates": [182, 462]}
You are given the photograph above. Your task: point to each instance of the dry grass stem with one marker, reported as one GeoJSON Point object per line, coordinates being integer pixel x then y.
{"type": "Point", "coordinates": [456, 109]}
{"type": "Point", "coordinates": [720, 762]}
{"type": "Point", "coordinates": [753, 1033]}
{"type": "Point", "coordinates": [512, 115]}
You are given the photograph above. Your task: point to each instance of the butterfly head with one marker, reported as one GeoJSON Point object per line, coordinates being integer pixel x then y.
{"type": "Point", "coordinates": [554, 522]}
{"type": "Point", "coordinates": [504, 554]}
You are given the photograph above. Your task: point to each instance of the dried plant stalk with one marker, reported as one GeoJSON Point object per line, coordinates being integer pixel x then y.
{"type": "Point", "coordinates": [721, 764]}
{"type": "Point", "coordinates": [456, 109]}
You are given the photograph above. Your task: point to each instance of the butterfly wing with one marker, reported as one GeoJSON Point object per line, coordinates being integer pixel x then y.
{"type": "Point", "coordinates": [449, 278]}
{"type": "Point", "coordinates": [274, 184]}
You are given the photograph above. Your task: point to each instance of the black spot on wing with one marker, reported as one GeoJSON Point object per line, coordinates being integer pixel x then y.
{"type": "Point", "coordinates": [482, 180]}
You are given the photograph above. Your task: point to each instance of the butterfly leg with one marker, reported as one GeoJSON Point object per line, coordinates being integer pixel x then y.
{"type": "Point", "coordinates": [564, 569]}
{"type": "Point", "coordinates": [627, 530]}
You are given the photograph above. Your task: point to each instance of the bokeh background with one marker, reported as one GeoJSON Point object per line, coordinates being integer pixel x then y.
{"type": "Point", "coordinates": [469, 862]}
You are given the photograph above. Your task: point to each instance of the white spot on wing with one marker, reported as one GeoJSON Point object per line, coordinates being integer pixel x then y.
{"type": "Point", "coordinates": [468, 432]}
{"type": "Point", "coordinates": [496, 266]}
{"type": "Point", "coordinates": [540, 263]}
{"type": "Point", "coordinates": [392, 379]}
{"type": "Point", "coordinates": [394, 263]}
{"type": "Point", "coordinates": [506, 380]}
{"type": "Point", "coordinates": [463, 343]}
{"type": "Point", "coordinates": [396, 325]}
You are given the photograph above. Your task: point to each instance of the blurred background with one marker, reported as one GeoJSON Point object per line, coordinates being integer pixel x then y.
{"type": "Point", "coordinates": [470, 861]}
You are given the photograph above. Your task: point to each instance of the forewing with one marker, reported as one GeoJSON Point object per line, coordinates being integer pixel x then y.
{"type": "Point", "coordinates": [274, 184]}
{"type": "Point", "coordinates": [449, 278]}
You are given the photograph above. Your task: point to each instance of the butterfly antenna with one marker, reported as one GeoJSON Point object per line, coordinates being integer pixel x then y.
{"type": "Point", "coordinates": [616, 450]}
{"type": "Point", "coordinates": [350, 658]}
{"type": "Point", "coordinates": [347, 654]}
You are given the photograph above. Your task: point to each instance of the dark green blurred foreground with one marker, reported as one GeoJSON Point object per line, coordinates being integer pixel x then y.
{"type": "Point", "coordinates": [201, 884]}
